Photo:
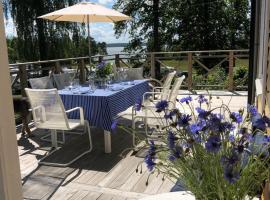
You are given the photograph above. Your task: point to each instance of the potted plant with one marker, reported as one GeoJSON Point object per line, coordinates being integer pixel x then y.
{"type": "Point", "coordinates": [214, 152]}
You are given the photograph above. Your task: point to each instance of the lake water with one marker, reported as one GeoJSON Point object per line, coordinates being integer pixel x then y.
{"type": "Point", "coordinates": [114, 50]}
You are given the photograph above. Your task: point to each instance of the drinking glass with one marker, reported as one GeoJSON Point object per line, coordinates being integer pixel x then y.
{"type": "Point", "coordinates": [92, 86]}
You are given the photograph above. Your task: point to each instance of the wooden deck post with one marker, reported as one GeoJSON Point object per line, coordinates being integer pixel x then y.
{"type": "Point", "coordinates": [153, 65]}
{"type": "Point", "coordinates": [231, 63]}
{"type": "Point", "coordinates": [58, 68]}
{"type": "Point", "coordinates": [117, 60]}
{"type": "Point", "coordinates": [23, 79]}
{"type": "Point", "coordinates": [189, 81]}
{"type": "Point", "coordinates": [10, 178]}
{"type": "Point", "coordinates": [100, 59]}
{"type": "Point", "coordinates": [82, 75]}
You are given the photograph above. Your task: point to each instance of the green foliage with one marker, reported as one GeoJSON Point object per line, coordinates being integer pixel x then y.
{"type": "Point", "coordinates": [103, 70]}
{"type": "Point", "coordinates": [213, 152]}
{"type": "Point", "coordinates": [187, 25]}
{"type": "Point", "coordinates": [39, 39]}
{"type": "Point", "coordinates": [240, 76]}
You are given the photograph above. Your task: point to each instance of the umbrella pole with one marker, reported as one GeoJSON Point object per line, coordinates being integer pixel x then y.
{"type": "Point", "coordinates": [89, 42]}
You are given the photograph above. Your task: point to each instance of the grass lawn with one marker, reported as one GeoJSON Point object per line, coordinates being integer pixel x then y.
{"type": "Point", "coordinates": [181, 65]}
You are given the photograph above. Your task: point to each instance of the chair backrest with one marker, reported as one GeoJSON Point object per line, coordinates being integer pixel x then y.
{"type": "Point", "coordinates": [62, 80]}
{"type": "Point", "coordinates": [41, 83]}
{"type": "Point", "coordinates": [166, 86]}
{"type": "Point", "coordinates": [48, 109]}
{"type": "Point", "coordinates": [135, 74]}
{"type": "Point", "coordinates": [174, 91]}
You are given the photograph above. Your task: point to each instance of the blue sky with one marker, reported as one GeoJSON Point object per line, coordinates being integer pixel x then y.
{"type": "Point", "coordinates": [102, 32]}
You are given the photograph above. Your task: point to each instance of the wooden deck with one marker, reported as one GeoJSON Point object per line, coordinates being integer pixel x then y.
{"type": "Point", "coordinates": [97, 175]}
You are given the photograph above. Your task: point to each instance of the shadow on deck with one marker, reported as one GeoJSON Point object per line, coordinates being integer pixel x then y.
{"type": "Point", "coordinates": [96, 175]}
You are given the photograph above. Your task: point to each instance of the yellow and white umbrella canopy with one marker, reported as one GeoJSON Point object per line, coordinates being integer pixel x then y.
{"type": "Point", "coordinates": [86, 12]}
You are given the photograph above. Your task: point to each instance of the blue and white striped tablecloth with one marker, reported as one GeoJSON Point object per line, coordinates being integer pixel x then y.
{"type": "Point", "coordinates": [102, 106]}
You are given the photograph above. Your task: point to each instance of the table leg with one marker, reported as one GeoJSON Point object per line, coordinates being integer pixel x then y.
{"type": "Point", "coordinates": [54, 138]}
{"type": "Point", "coordinates": [107, 142]}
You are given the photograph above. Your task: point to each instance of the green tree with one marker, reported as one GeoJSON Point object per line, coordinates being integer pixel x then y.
{"type": "Point", "coordinates": [186, 25]}
{"type": "Point", "coordinates": [40, 39]}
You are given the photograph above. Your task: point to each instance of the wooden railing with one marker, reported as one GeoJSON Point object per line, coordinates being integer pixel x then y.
{"type": "Point", "coordinates": [187, 62]}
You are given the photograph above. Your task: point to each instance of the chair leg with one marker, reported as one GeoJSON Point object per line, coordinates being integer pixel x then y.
{"type": "Point", "coordinates": [76, 158]}
{"type": "Point", "coordinates": [44, 138]}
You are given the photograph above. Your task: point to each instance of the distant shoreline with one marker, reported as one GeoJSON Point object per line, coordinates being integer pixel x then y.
{"type": "Point", "coordinates": [117, 45]}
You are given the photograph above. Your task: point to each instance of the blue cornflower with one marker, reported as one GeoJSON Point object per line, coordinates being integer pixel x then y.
{"type": "Point", "coordinates": [213, 144]}
{"type": "Point", "coordinates": [252, 110]}
{"type": "Point", "coordinates": [203, 114]}
{"type": "Point", "coordinates": [175, 153]}
{"type": "Point", "coordinates": [231, 138]}
{"type": "Point", "coordinates": [267, 139]}
{"type": "Point", "coordinates": [202, 99]}
{"type": "Point", "coordinates": [170, 114]}
{"type": "Point", "coordinates": [101, 65]}
{"type": "Point", "coordinates": [230, 160]}
{"type": "Point", "coordinates": [152, 148]}
{"type": "Point", "coordinates": [171, 140]}
{"type": "Point", "coordinates": [114, 125]}
{"type": "Point", "coordinates": [236, 117]}
{"type": "Point", "coordinates": [224, 126]}
{"type": "Point", "coordinates": [243, 131]}
{"type": "Point", "coordinates": [186, 100]}
{"type": "Point", "coordinates": [231, 175]}
{"type": "Point", "coordinates": [149, 160]}
{"type": "Point", "coordinates": [150, 156]}
{"type": "Point", "coordinates": [161, 105]}
{"type": "Point", "coordinates": [184, 120]}
{"type": "Point", "coordinates": [258, 122]}
{"type": "Point", "coordinates": [195, 128]}
{"type": "Point", "coordinates": [138, 104]}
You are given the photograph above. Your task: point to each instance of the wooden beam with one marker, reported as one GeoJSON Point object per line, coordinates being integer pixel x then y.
{"type": "Point", "coordinates": [153, 65]}
{"type": "Point", "coordinates": [23, 79]}
{"type": "Point", "coordinates": [189, 81]}
{"type": "Point", "coordinates": [10, 178]}
{"type": "Point", "coordinates": [231, 63]}
{"type": "Point", "coordinates": [117, 60]}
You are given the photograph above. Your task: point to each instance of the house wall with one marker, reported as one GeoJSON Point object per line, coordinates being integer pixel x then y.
{"type": "Point", "coordinates": [10, 178]}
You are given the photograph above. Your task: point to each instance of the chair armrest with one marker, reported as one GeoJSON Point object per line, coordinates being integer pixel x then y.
{"type": "Point", "coordinates": [81, 113]}
{"type": "Point", "coordinates": [149, 93]}
{"type": "Point", "coordinates": [155, 80]}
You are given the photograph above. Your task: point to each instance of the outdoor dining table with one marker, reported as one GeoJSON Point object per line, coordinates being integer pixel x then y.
{"type": "Point", "coordinates": [102, 106]}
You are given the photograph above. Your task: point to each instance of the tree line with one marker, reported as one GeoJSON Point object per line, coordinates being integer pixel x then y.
{"type": "Point", "coordinates": [39, 39]}
{"type": "Point", "coordinates": [185, 24]}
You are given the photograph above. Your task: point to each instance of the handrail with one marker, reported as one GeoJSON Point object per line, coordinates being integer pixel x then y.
{"type": "Point", "coordinates": [151, 59]}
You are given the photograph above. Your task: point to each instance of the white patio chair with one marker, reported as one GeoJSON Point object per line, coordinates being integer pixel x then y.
{"type": "Point", "coordinates": [45, 83]}
{"type": "Point", "coordinates": [41, 83]}
{"type": "Point", "coordinates": [49, 113]}
{"type": "Point", "coordinates": [149, 112]}
{"type": "Point", "coordinates": [62, 80]}
{"type": "Point", "coordinates": [159, 93]}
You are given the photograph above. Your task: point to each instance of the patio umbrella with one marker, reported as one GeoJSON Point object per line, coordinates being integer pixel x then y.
{"type": "Point", "coordinates": [86, 12]}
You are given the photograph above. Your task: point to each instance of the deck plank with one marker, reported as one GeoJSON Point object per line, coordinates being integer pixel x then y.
{"type": "Point", "coordinates": [96, 175]}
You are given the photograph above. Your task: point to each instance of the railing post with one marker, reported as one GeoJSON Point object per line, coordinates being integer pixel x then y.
{"type": "Point", "coordinates": [100, 59]}
{"type": "Point", "coordinates": [82, 75]}
{"type": "Point", "coordinates": [58, 68]}
{"type": "Point", "coordinates": [231, 63]}
{"type": "Point", "coordinates": [117, 60]}
{"type": "Point", "coordinates": [189, 81]}
{"type": "Point", "coordinates": [23, 79]}
{"type": "Point", "coordinates": [153, 65]}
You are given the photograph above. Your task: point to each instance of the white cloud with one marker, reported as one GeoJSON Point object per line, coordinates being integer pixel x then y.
{"type": "Point", "coordinates": [103, 32]}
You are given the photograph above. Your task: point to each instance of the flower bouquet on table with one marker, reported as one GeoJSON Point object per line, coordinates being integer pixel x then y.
{"type": "Point", "coordinates": [215, 153]}
{"type": "Point", "coordinates": [102, 74]}
{"type": "Point", "coordinates": [103, 70]}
